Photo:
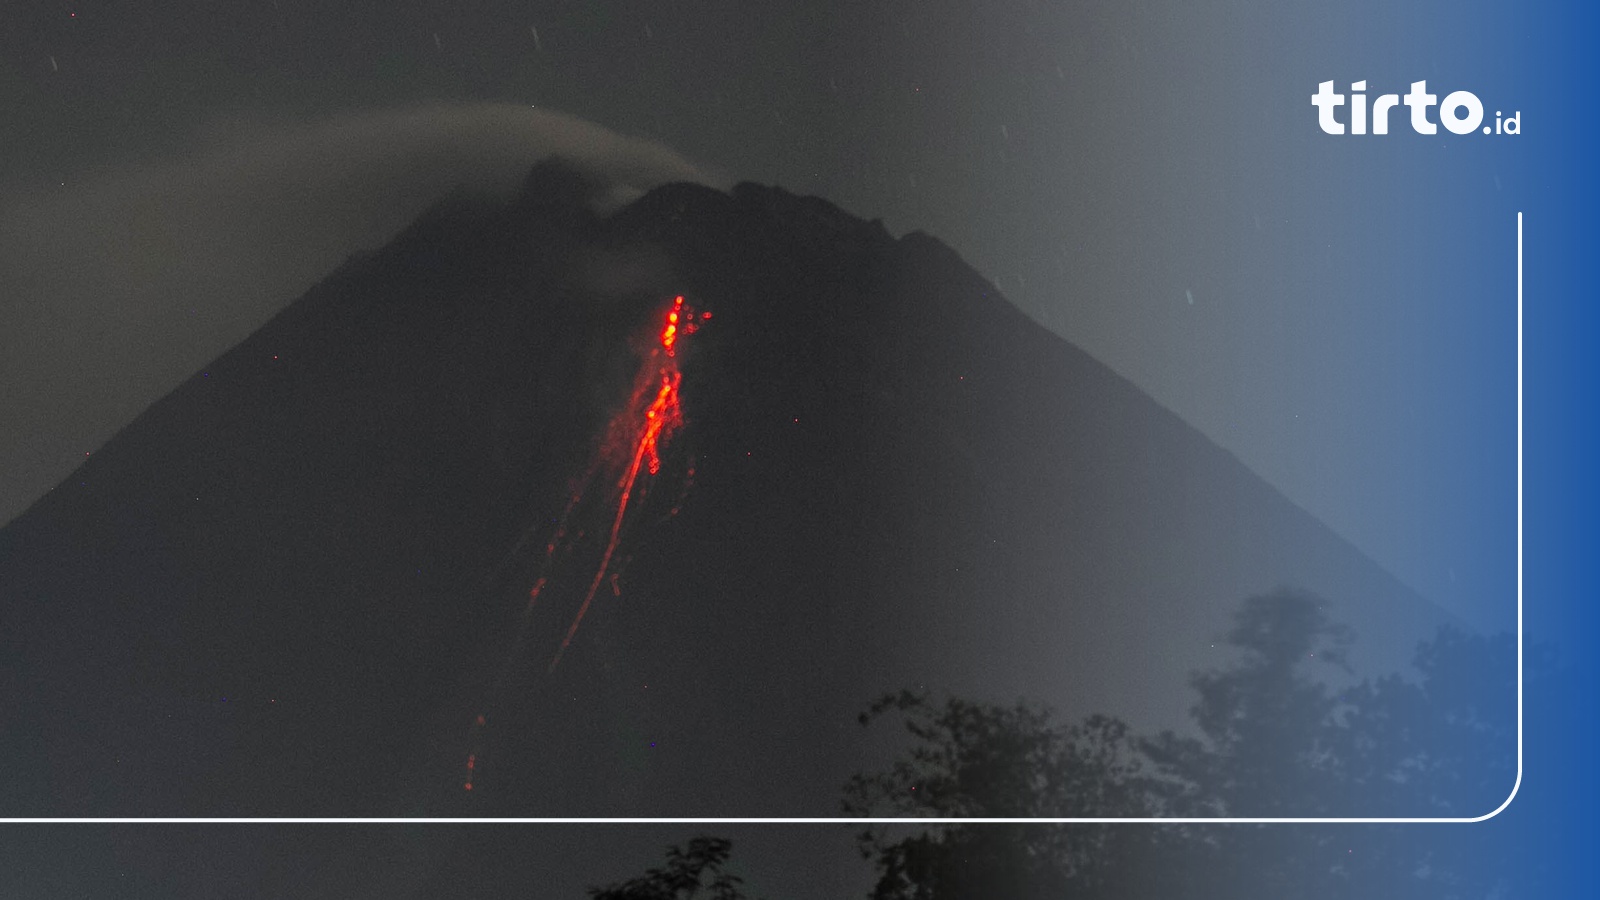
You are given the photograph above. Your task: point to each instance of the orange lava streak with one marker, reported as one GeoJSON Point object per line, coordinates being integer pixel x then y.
{"type": "Point", "coordinates": [669, 335]}
{"type": "Point", "coordinates": [633, 441]}
{"type": "Point", "coordinates": [661, 414]}
{"type": "Point", "coordinates": [661, 417]}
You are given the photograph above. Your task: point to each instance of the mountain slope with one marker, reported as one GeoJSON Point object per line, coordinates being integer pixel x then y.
{"type": "Point", "coordinates": [885, 476]}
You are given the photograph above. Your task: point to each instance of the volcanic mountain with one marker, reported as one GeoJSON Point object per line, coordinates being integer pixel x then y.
{"type": "Point", "coordinates": [542, 511]}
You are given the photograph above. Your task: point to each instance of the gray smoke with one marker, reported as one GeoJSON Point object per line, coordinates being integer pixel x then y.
{"type": "Point", "coordinates": [115, 289]}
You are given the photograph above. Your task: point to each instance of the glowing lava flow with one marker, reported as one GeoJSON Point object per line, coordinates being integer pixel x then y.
{"type": "Point", "coordinates": [632, 448]}
{"type": "Point", "coordinates": [664, 413]}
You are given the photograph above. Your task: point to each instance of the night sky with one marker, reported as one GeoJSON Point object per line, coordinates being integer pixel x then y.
{"type": "Point", "coordinates": [1144, 179]}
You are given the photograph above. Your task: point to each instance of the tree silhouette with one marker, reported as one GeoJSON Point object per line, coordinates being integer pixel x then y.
{"type": "Point", "coordinates": [694, 873]}
{"type": "Point", "coordinates": [1285, 731]}
{"type": "Point", "coordinates": [973, 761]}
{"type": "Point", "coordinates": [1264, 719]}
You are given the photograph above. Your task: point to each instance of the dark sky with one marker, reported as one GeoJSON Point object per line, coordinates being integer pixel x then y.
{"type": "Point", "coordinates": [1146, 179]}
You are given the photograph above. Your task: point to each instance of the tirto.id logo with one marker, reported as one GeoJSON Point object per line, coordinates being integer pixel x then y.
{"type": "Point", "coordinates": [1460, 113]}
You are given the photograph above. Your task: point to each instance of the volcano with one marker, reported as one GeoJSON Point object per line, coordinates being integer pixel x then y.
{"type": "Point", "coordinates": [544, 511]}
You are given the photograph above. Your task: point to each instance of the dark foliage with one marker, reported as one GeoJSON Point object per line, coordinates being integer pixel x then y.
{"type": "Point", "coordinates": [692, 873]}
{"type": "Point", "coordinates": [1278, 737]}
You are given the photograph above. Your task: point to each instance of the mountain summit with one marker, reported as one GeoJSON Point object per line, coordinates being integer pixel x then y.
{"type": "Point", "coordinates": [541, 510]}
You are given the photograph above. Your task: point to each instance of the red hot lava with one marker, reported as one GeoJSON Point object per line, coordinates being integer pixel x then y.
{"type": "Point", "coordinates": [630, 458]}
{"type": "Point", "coordinates": [638, 432]}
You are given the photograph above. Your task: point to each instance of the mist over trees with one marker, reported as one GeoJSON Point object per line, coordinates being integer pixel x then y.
{"type": "Point", "coordinates": [1284, 731]}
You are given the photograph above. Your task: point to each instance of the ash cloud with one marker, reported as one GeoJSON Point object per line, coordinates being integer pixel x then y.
{"type": "Point", "coordinates": [115, 289]}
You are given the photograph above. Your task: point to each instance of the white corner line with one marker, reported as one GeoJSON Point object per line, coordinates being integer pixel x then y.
{"type": "Point", "coordinates": [991, 820]}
